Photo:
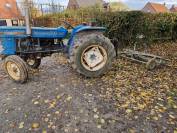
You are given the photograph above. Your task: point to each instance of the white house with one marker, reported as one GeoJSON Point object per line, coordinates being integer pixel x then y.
{"type": "Point", "coordinates": [10, 15]}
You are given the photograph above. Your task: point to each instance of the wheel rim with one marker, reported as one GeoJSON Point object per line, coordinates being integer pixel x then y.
{"type": "Point", "coordinates": [30, 62]}
{"type": "Point", "coordinates": [94, 58]}
{"type": "Point", "coordinates": [13, 70]}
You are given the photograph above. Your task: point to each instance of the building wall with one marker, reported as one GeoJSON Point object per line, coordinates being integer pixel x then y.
{"type": "Point", "coordinates": [14, 22]}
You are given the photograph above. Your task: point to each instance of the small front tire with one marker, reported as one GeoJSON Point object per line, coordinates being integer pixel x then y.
{"type": "Point", "coordinates": [16, 68]}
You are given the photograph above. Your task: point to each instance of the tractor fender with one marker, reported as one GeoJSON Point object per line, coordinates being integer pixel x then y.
{"type": "Point", "coordinates": [89, 28]}
{"type": "Point", "coordinates": [82, 28]}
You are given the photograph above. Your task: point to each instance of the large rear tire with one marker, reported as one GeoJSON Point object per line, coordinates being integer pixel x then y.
{"type": "Point", "coordinates": [16, 68]}
{"type": "Point", "coordinates": [92, 54]}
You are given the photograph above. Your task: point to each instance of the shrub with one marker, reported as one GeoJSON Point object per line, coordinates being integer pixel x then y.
{"type": "Point", "coordinates": [129, 27]}
{"type": "Point", "coordinates": [126, 27]}
{"type": "Point", "coordinates": [74, 17]}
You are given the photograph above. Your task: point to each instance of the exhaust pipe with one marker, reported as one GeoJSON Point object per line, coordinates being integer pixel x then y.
{"type": "Point", "coordinates": [27, 18]}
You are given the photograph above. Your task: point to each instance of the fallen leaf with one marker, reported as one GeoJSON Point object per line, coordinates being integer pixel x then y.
{"type": "Point", "coordinates": [52, 105]}
{"type": "Point", "coordinates": [132, 131]}
{"type": "Point", "coordinates": [102, 121]}
{"type": "Point", "coordinates": [155, 118]}
{"type": "Point", "coordinates": [99, 126]}
{"type": "Point", "coordinates": [21, 125]}
{"type": "Point", "coordinates": [35, 125]}
{"type": "Point", "coordinates": [96, 116]}
{"type": "Point", "coordinates": [61, 85]}
{"type": "Point", "coordinates": [58, 96]}
{"type": "Point", "coordinates": [172, 117]}
{"type": "Point", "coordinates": [48, 115]}
{"type": "Point", "coordinates": [44, 131]}
{"type": "Point", "coordinates": [95, 110]}
{"type": "Point", "coordinates": [46, 119]}
{"type": "Point", "coordinates": [69, 98]}
{"type": "Point", "coordinates": [128, 111]}
{"type": "Point", "coordinates": [66, 130]}
{"type": "Point", "coordinates": [46, 101]}
{"type": "Point", "coordinates": [57, 112]}
{"type": "Point", "coordinates": [76, 130]}
{"type": "Point", "coordinates": [36, 102]}
{"type": "Point", "coordinates": [53, 127]}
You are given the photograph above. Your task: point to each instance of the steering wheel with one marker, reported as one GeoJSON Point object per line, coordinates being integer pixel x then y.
{"type": "Point", "coordinates": [68, 25]}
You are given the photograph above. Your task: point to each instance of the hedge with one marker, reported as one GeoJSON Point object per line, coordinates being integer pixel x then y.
{"type": "Point", "coordinates": [135, 26]}
{"type": "Point", "coordinates": [125, 27]}
{"type": "Point", "coordinates": [75, 17]}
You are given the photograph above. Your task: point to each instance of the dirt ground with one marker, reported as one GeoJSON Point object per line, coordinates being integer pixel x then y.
{"type": "Point", "coordinates": [128, 99]}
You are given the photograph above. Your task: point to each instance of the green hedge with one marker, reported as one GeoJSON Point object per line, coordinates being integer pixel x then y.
{"type": "Point", "coordinates": [129, 27]}
{"type": "Point", "coordinates": [125, 27]}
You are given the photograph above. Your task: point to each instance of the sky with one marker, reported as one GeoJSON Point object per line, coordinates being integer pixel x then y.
{"type": "Point", "coordinates": [133, 4]}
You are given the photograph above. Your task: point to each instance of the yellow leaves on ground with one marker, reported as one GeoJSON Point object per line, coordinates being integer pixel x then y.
{"type": "Point", "coordinates": [137, 100]}
{"type": "Point", "coordinates": [138, 91]}
{"type": "Point", "coordinates": [34, 125]}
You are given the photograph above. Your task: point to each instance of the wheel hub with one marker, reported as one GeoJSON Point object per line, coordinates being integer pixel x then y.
{"type": "Point", "coordinates": [13, 70]}
{"type": "Point", "coordinates": [94, 58]}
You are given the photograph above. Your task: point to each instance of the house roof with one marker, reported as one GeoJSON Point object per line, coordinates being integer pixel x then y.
{"type": "Point", "coordinates": [86, 3]}
{"type": "Point", "coordinates": [159, 8]}
{"type": "Point", "coordinates": [9, 10]}
{"type": "Point", "coordinates": [173, 8]}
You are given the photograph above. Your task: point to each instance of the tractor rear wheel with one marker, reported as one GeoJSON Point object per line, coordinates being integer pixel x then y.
{"type": "Point", "coordinates": [92, 54]}
{"type": "Point", "coordinates": [33, 63]}
{"type": "Point", "coordinates": [16, 68]}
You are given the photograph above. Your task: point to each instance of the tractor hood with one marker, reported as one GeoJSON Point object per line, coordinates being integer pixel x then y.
{"type": "Point", "coordinates": [37, 32]}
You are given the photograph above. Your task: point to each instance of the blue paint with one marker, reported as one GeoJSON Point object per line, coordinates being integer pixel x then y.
{"type": "Point", "coordinates": [81, 28]}
{"type": "Point", "coordinates": [37, 32]}
{"type": "Point", "coordinates": [8, 35]}
{"type": "Point", "coordinates": [9, 47]}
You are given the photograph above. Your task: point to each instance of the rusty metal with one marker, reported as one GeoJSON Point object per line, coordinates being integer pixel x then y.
{"type": "Point", "coordinates": [151, 61]}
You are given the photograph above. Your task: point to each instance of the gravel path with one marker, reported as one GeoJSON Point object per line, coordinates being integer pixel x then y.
{"type": "Point", "coordinates": [56, 99]}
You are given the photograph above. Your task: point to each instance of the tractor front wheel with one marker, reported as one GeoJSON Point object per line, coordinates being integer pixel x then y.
{"type": "Point", "coordinates": [16, 68]}
{"type": "Point", "coordinates": [92, 54]}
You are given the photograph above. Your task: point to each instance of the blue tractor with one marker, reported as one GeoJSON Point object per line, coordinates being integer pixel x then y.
{"type": "Point", "coordinates": [90, 52]}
